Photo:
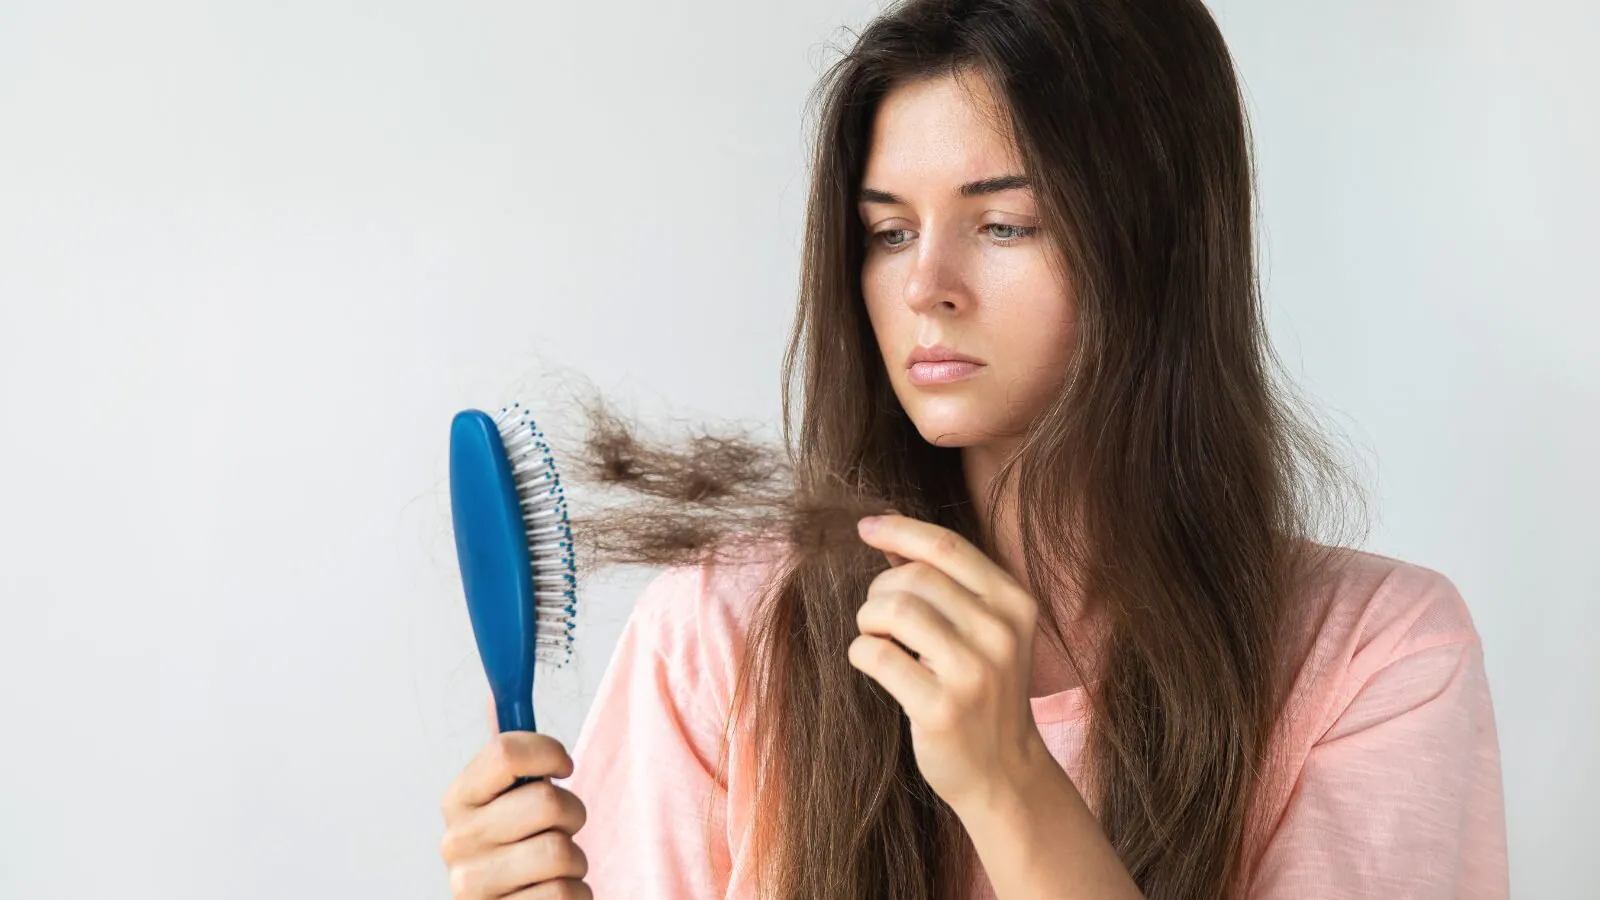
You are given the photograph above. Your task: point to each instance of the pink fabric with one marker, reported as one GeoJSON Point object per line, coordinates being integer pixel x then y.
{"type": "Point", "coordinates": [1385, 779]}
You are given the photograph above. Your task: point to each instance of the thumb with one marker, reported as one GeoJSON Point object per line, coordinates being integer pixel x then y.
{"type": "Point", "coordinates": [493, 718]}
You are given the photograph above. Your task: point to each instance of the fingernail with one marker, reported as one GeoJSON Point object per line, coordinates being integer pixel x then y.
{"type": "Point", "coordinates": [867, 523]}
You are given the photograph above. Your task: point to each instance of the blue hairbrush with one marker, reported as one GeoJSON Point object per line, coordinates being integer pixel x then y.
{"type": "Point", "coordinates": [514, 543]}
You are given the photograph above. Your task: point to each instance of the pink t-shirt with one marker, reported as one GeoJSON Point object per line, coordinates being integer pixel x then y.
{"type": "Point", "coordinates": [1385, 781]}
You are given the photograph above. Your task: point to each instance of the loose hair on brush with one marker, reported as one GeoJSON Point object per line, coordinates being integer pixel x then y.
{"type": "Point", "coordinates": [1172, 479]}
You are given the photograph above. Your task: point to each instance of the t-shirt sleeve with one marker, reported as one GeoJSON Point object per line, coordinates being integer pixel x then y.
{"type": "Point", "coordinates": [1401, 796]}
{"type": "Point", "coordinates": [644, 763]}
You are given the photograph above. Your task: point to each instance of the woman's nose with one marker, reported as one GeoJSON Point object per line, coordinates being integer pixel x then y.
{"type": "Point", "coordinates": [934, 283]}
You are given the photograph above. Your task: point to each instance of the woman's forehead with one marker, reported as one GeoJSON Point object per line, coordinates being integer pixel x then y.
{"type": "Point", "coordinates": [931, 136]}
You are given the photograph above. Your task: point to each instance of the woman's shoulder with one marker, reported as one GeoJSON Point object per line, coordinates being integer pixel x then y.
{"type": "Point", "coordinates": [1365, 613]}
{"type": "Point", "coordinates": [1368, 609]}
{"type": "Point", "coordinates": [695, 616]}
{"type": "Point", "coordinates": [723, 587]}
{"type": "Point", "coordinates": [1390, 720]}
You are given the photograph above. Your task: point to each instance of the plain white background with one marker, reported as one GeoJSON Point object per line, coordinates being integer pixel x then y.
{"type": "Point", "coordinates": [254, 256]}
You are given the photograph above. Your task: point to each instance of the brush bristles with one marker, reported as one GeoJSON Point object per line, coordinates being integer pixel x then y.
{"type": "Point", "coordinates": [551, 549]}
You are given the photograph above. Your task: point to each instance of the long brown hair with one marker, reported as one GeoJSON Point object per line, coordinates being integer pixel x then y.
{"type": "Point", "coordinates": [1172, 479]}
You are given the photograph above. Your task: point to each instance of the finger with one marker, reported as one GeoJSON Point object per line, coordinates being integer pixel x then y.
{"type": "Point", "coordinates": [920, 628]}
{"type": "Point", "coordinates": [911, 684]}
{"type": "Point", "coordinates": [493, 716]}
{"type": "Point", "coordinates": [984, 632]}
{"type": "Point", "coordinates": [497, 765]}
{"type": "Point", "coordinates": [894, 558]}
{"type": "Point", "coordinates": [513, 816]}
{"type": "Point", "coordinates": [938, 546]}
{"type": "Point", "coordinates": [512, 867]}
{"type": "Point", "coordinates": [557, 889]}
{"type": "Point", "coordinates": [957, 604]}
{"type": "Point", "coordinates": [525, 811]}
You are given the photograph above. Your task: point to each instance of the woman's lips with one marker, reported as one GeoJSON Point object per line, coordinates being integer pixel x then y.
{"type": "Point", "coordinates": [941, 371]}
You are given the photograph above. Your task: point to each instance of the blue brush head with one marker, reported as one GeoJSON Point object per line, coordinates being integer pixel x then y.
{"type": "Point", "coordinates": [514, 543]}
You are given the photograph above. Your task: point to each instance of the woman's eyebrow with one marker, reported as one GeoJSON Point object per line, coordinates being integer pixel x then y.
{"type": "Point", "coordinates": [971, 189]}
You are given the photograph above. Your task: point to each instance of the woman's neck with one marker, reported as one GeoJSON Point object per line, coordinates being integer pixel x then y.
{"type": "Point", "coordinates": [1052, 672]}
{"type": "Point", "coordinates": [980, 464]}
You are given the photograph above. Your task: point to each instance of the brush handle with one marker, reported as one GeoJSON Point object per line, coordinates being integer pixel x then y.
{"type": "Point", "coordinates": [516, 715]}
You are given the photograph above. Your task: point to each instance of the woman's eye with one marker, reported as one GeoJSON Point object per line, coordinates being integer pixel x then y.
{"type": "Point", "coordinates": [1007, 234]}
{"type": "Point", "coordinates": [882, 237]}
{"type": "Point", "coordinates": [1014, 232]}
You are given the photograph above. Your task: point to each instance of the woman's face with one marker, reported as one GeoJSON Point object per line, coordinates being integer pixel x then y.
{"type": "Point", "coordinates": [965, 269]}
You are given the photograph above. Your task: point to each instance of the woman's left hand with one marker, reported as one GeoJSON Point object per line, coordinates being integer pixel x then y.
{"type": "Point", "coordinates": [971, 626]}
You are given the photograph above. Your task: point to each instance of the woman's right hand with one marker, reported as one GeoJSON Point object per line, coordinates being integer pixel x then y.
{"type": "Point", "coordinates": [513, 844]}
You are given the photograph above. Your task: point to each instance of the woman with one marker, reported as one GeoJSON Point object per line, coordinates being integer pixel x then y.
{"type": "Point", "coordinates": [1101, 654]}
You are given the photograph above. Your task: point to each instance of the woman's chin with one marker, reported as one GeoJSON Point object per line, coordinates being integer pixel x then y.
{"type": "Point", "coordinates": [950, 431]}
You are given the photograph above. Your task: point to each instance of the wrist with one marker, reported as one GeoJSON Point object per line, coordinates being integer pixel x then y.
{"type": "Point", "coordinates": [1005, 803]}
{"type": "Point", "coordinates": [1036, 836]}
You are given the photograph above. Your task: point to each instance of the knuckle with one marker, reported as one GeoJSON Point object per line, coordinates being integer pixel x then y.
{"type": "Point", "coordinates": [551, 750]}
{"type": "Point", "coordinates": [898, 603]}
{"type": "Point", "coordinates": [460, 842]}
{"type": "Point", "coordinates": [449, 846]}
{"type": "Point", "coordinates": [1029, 619]}
{"type": "Point", "coordinates": [864, 649]}
{"type": "Point", "coordinates": [879, 652]}
{"type": "Point", "coordinates": [914, 576]}
{"type": "Point", "coordinates": [1024, 602]}
{"type": "Point", "coordinates": [464, 881]}
{"type": "Point", "coordinates": [943, 714]}
{"type": "Point", "coordinates": [557, 851]}
{"type": "Point", "coordinates": [946, 543]}
{"type": "Point", "coordinates": [999, 636]}
{"type": "Point", "coordinates": [1020, 600]}
{"type": "Point", "coordinates": [546, 804]}
{"type": "Point", "coordinates": [562, 809]}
